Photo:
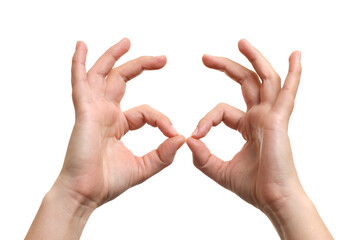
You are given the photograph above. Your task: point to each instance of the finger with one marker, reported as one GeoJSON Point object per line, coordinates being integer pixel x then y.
{"type": "Point", "coordinates": [135, 67]}
{"type": "Point", "coordinates": [119, 76]}
{"type": "Point", "coordinates": [231, 116]}
{"type": "Point", "coordinates": [107, 61]}
{"type": "Point", "coordinates": [78, 70]}
{"type": "Point", "coordinates": [248, 79]}
{"type": "Point", "coordinates": [116, 80]}
{"type": "Point", "coordinates": [138, 116]}
{"type": "Point", "coordinates": [271, 80]}
{"type": "Point", "coordinates": [156, 160]}
{"type": "Point", "coordinates": [286, 99]}
{"type": "Point", "coordinates": [208, 163]}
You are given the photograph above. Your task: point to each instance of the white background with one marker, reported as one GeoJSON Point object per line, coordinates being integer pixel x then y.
{"type": "Point", "coordinates": [37, 42]}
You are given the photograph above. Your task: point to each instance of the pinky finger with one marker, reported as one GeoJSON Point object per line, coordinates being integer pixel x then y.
{"type": "Point", "coordinates": [286, 99]}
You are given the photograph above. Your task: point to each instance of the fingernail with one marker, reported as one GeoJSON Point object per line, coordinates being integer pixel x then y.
{"type": "Point", "coordinates": [299, 55]}
{"type": "Point", "coordinates": [162, 57]}
{"type": "Point", "coordinates": [173, 130]}
{"type": "Point", "coordinates": [77, 45]}
{"type": "Point", "coordinates": [208, 55]}
{"type": "Point", "coordinates": [245, 41]}
{"type": "Point", "coordinates": [195, 131]}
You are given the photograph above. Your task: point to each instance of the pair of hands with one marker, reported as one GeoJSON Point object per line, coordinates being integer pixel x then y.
{"type": "Point", "coordinates": [98, 167]}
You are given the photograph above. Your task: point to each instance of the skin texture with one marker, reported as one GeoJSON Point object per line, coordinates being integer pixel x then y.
{"type": "Point", "coordinates": [98, 167]}
{"type": "Point", "coordinates": [262, 172]}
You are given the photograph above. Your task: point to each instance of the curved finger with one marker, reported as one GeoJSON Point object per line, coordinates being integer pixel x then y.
{"type": "Point", "coordinates": [138, 116]}
{"type": "Point", "coordinates": [107, 61]}
{"type": "Point", "coordinates": [208, 163]}
{"type": "Point", "coordinates": [119, 76]}
{"type": "Point", "coordinates": [286, 99]}
{"type": "Point", "coordinates": [78, 70]}
{"type": "Point", "coordinates": [133, 68]}
{"type": "Point", "coordinates": [230, 115]}
{"type": "Point", "coordinates": [156, 160]}
{"type": "Point", "coordinates": [271, 80]}
{"type": "Point", "coordinates": [248, 79]}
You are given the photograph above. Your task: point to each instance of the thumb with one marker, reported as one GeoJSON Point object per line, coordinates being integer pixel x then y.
{"type": "Point", "coordinates": [156, 160]}
{"type": "Point", "coordinates": [208, 163]}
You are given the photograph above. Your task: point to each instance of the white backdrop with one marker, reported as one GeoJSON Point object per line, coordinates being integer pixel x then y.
{"type": "Point", "coordinates": [37, 42]}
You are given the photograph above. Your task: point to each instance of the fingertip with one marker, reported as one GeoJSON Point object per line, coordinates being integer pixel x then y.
{"type": "Point", "coordinates": [177, 141]}
{"type": "Point", "coordinates": [295, 61]}
{"type": "Point", "coordinates": [124, 45]}
{"type": "Point", "coordinates": [77, 45]}
{"type": "Point", "coordinates": [190, 143]}
{"type": "Point", "coordinates": [166, 127]}
{"type": "Point", "coordinates": [195, 132]}
{"type": "Point", "coordinates": [161, 61]}
{"type": "Point", "coordinates": [80, 45]}
{"type": "Point", "coordinates": [200, 151]}
{"type": "Point", "coordinates": [193, 143]}
{"type": "Point", "coordinates": [208, 60]}
{"type": "Point", "coordinates": [174, 132]}
{"type": "Point", "coordinates": [298, 55]}
{"type": "Point", "coordinates": [169, 147]}
{"type": "Point", "coordinates": [206, 57]}
{"type": "Point", "coordinates": [295, 55]}
{"type": "Point", "coordinates": [181, 140]}
{"type": "Point", "coordinates": [126, 42]}
{"type": "Point", "coordinates": [202, 129]}
{"type": "Point", "coordinates": [242, 44]}
{"type": "Point", "coordinates": [162, 57]}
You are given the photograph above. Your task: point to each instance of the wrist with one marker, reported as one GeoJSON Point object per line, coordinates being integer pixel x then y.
{"type": "Point", "coordinates": [285, 208]}
{"type": "Point", "coordinates": [73, 204]}
{"type": "Point", "coordinates": [60, 216]}
{"type": "Point", "coordinates": [296, 217]}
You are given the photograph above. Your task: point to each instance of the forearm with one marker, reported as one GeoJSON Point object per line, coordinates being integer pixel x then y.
{"type": "Point", "coordinates": [297, 218]}
{"type": "Point", "coordinates": [60, 216]}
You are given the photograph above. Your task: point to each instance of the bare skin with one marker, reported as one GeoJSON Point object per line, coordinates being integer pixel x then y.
{"type": "Point", "coordinates": [262, 172]}
{"type": "Point", "coordinates": [98, 167]}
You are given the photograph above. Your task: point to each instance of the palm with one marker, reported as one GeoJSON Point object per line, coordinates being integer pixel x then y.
{"type": "Point", "coordinates": [98, 165]}
{"type": "Point", "coordinates": [254, 170]}
{"type": "Point", "coordinates": [263, 171]}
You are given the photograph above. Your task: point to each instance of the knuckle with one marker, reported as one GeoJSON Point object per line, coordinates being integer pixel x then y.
{"type": "Point", "coordinates": [145, 106]}
{"type": "Point", "coordinates": [225, 60]}
{"type": "Point", "coordinates": [273, 76]}
{"type": "Point", "coordinates": [253, 74]}
{"type": "Point", "coordinates": [221, 105]}
{"type": "Point", "coordinates": [142, 58]}
{"type": "Point", "coordinates": [270, 75]}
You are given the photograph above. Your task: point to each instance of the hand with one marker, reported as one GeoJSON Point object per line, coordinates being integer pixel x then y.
{"type": "Point", "coordinates": [263, 172]}
{"type": "Point", "coordinates": [98, 167]}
